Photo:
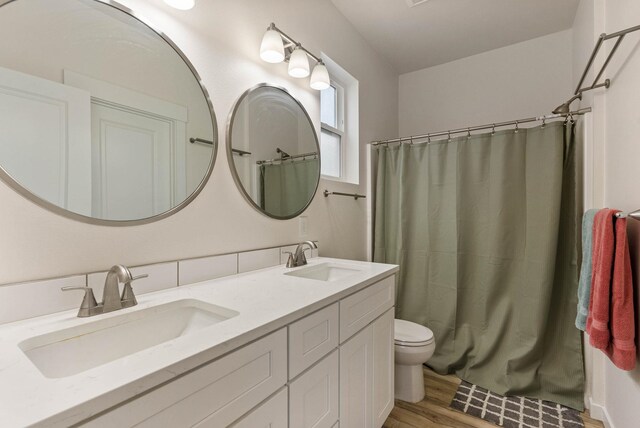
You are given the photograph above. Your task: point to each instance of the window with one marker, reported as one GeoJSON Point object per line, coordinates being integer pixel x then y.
{"type": "Point", "coordinates": [332, 133]}
{"type": "Point", "coordinates": [339, 126]}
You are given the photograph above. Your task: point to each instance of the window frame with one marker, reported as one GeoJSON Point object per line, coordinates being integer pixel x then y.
{"type": "Point", "coordinates": [339, 130]}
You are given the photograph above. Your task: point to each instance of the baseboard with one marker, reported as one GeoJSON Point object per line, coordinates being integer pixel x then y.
{"type": "Point", "coordinates": [599, 412]}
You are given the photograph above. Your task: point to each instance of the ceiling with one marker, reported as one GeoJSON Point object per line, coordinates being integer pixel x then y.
{"type": "Point", "coordinates": [439, 31]}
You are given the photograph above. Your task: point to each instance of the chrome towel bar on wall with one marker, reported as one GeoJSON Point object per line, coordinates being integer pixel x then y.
{"type": "Point", "coordinates": [353, 195]}
{"type": "Point", "coordinates": [619, 35]}
{"type": "Point", "coordinates": [201, 141]}
{"type": "Point", "coordinates": [634, 214]}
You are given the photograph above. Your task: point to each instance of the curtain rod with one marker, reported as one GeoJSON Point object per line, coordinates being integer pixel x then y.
{"type": "Point", "coordinates": [481, 127]}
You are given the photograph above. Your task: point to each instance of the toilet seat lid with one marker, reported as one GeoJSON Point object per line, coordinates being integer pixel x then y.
{"type": "Point", "coordinates": [411, 333]}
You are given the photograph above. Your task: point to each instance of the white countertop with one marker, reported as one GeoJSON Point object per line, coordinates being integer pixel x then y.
{"type": "Point", "coordinates": [265, 299]}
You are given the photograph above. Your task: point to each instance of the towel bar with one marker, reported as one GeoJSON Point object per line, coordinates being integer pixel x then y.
{"type": "Point", "coordinates": [634, 214]}
{"type": "Point", "coordinates": [353, 195]}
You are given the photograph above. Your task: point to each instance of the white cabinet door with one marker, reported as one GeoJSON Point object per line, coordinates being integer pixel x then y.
{"type": "Point", "coordinates": [383, 367]}
{"type": "Point", "coordinates": [356, 381]}
{"type": "Point", "coordinates": [367, 375]}
{"type": "Point", "coordinates": [274, 413]}
{"type": "Point", "coordinates": [314, 396]}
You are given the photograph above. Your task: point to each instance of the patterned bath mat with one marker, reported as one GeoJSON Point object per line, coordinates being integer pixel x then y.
{"type": "Point", "coordinates": [513, 412]}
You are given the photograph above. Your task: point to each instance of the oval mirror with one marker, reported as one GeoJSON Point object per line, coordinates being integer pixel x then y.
{"type": "Point", "coordinates": [273, 151]}
{"type": "Point", "coordinates": [103, 119]}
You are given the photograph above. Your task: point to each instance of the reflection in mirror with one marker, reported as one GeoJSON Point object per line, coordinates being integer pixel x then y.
{"type": "Point", "coordinates": [273, 150]}
{"type": "Point", "coordinates": [96, 112]}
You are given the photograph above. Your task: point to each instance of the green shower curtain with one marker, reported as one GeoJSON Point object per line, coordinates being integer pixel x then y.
{"type": "Point", "coordinates": [484, 230]}
{"type": "Point", "coordinates": [287, 187]}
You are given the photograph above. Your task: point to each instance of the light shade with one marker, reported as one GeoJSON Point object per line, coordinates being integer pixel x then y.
{"type": "Point", "coordinates": [272, 48]}
{"type": "Point", "coordinates": [181, 4]}
{"type": "Point", "coordinates": [320, 77]}
{"type": "Point", "coordinates": [298, 63]}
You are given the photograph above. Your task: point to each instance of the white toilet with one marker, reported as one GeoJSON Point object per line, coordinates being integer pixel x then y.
{"type": "Point", "coordinates": [414, 345]}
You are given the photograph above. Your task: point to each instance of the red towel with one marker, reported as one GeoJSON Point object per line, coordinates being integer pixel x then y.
{"type": "Point", "coordinates": [622, 347]}
{"type": "Point", "coordinates": [602, 263]}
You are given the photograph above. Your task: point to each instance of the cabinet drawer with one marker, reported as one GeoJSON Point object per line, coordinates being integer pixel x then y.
{"type": "Point", "coordinates": [221, 391]}
{"type": "Point", "coordinates": [273, 413]}
{"type": "Point", "coordinates": [311, 338]}
{"type": "Point", "coordinates": [314, 398]}
{"type": "Point", "coordinates": [361, 308]}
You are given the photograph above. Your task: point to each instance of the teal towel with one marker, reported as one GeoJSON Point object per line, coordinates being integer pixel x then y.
{"type": "Point", "coordinates": [584, 286]}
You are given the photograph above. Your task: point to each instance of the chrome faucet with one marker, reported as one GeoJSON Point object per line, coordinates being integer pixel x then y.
{"type": "Point", "coordinates": [298, 258]}
{"type": "Point", "coordinates": [111, 298]}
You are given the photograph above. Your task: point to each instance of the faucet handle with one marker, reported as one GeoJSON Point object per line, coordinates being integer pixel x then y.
{"type": "Point", "coordinates": [88, 301]}
{"type": "Point", "coordinates": [128, 298]}
{"type": "Point", "coordinates": [290, 260]}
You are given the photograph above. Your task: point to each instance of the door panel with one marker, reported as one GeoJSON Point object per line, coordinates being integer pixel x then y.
{"type": "Point", "coordinates": [356, 381]}
{"type": "Point", "coordinates": [314, 396]}
{"type": "Point", "coordinates": [45, 139]}
{"type": "Point", "coordinates": [132, 163]}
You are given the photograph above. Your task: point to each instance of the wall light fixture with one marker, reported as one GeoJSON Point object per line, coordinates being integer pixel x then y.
{"type": "Point", "coordinates": [277, 47]}
{"type": "Point", "coordinates": [181, 4]}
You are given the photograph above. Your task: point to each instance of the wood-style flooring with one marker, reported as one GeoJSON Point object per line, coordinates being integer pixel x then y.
{"type": "Point", "coordinates": [434, 410]}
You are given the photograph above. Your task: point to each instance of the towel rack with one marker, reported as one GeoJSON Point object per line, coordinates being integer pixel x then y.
{"type": "Point", "coordinates": [634, 214]}
{"type": "Point", "coordinates": [353, 195]}
{"type": "Point", "coordinates": [201, 141]}
{"type": "Point", "coordinates": [240, 152]}
{"type": "Point", "coordinates": [619, 35]}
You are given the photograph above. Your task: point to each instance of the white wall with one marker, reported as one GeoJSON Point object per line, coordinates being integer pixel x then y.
{"type": "Point", "coordinates": [616, 130]}
{"type": "Point", "coordinates": [222, 39]}
{"type": "Point", "coordinates": [518, 81]}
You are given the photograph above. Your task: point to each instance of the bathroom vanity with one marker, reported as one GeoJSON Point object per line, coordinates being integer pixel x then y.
{"type": "Point", "coordinates": [278, 347]}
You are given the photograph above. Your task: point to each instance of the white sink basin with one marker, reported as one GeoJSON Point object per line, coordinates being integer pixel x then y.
{"type": "Point", "coordinates": [325, 272]}
{"type": "Point", "coordinates": [74, 350]}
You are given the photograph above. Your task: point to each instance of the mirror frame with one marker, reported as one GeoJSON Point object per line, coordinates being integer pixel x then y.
{"type": "Point", "coordinates": [232, 165]}
{"type": "Point", "coordinates": [23, 191]}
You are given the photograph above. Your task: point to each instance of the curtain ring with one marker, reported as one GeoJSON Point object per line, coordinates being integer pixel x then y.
{"type": "Point", "coordinates": [493, 129]}
{"type": "Point", "coordinates": [468, 133]}
{"type": "Point", "coordinates": [544, 121]}
{"type": "Point", "coordinates": [448, 136]}
{"type": "Point", "coordinates": [428, 139]}
{"type": "Point", "coordinates": [411, 141]}
{"type": "Point", "coordinates": [517, 129]}
{"type": "Point", "coordinates": [571, 118]}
